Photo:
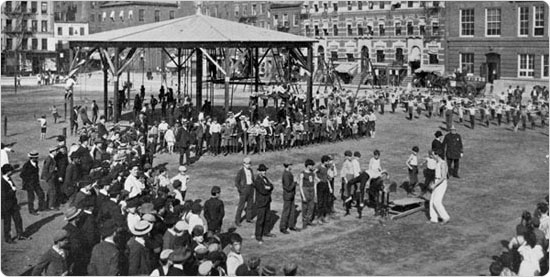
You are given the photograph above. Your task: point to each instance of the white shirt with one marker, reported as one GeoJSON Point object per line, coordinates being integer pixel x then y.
{"type": "Point", "coordinates": [233, 261]}
{"type": "Point", "coordinates": [545, 225]}
{"type": "Point", "coordinates": [431, 163]}
{"type": "Point", "coordinates": [70, 84]}
{"type": "Point", "coordinates": [183, 179]}
{"type": "Point", "coordinates": [4, 156]}
{"type": "Point", "coordinates": [12, 185]}
{"type": "Point", "coordinates": [413, 160]}
{"type": "Point", "coordinates": [42, 122]}
{"type": "Point", "coordinates": [356, 167]}
{"type": "Point", "coordinates": [163, 126]}
{"type": "Point", "coordinates": [248, 174]}
{"type": "Point", "coordinates": [215, 127]}
{"type": "Point", "coordinates": [374, 164]}
{"type": "Point", "coordinates": [194, 220]}
{"type": "Point", "coordinates": [133, 185]}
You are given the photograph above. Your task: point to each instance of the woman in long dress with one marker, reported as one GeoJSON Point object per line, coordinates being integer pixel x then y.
{"type": "Point", "coordinates": [531, 254]}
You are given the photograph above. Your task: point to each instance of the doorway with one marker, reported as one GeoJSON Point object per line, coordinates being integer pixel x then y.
{"type": "Point", "coordinates": [493, 66]}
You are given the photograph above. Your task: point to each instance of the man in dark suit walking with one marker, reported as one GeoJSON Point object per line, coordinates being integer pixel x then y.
{"type": "Point", "coordinates": [31, 183]}
{"type": "Point", "coordinates": [288, 216]}
{"type": "Point", "coordinates": [183, 141]}
{"type": "Point", "coordinates": [49, 174]}
{"type": "Point", "coordinates": [243, 182]}
{"type": "Point", "coordinates": [263, 188]}
{"type": "Point", "coordinates": [10, 207]}
{"type": "Point", "coordinates": [452, 144]}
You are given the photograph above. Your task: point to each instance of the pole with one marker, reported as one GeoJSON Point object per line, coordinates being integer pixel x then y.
{"type": "Point", "coordinates": [115, 87]}
{"type": "Point", "coordinates": [179, 71]}
{"type": "Point", "coordinates": [5, 126]}
{"type": "Point", "coordinates": [227, 66]}
{"type": "Point", "coordinates": [198, 78]}
{"type": "Point", "coordinates": [70, 95]}
{"type": "Point", "coordinates": [256, 68]}
{"type": "Point", "coordinates": [105, 92]}
{"type": "Point", "coordinates": [16, 70]}
{"type": "Point", "coordinates": [309, 80]}
{"type": "Point", "coordinates": [64, 132]}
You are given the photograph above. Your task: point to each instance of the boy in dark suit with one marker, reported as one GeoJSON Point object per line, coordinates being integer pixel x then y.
{"type": "Point", "coordinates": [214, 211]}
{"type": "Point", "coordinates": [263, 188]}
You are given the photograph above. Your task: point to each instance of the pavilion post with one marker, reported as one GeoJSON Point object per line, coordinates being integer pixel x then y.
{"type": "Point", "coordinates": [227, 66]}
{"type": "Point", "coordinates": [256, 63]}
{"type": "Point", "coordinates": [105, 92]}
{"type": "Point", "coordinates": [71, 96]}
{"type": "Point", "coordinates": [198, 78]}
{"type": "Point", "coordinates": [179, 66]}
{"type": "Point", "coordinates": [309, 80]}
{"type": "Point", "coordinates": [117, 106]}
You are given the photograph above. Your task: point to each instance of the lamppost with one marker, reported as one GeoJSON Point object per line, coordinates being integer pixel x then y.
{"type": "Point", "coordinates": [142, 67]}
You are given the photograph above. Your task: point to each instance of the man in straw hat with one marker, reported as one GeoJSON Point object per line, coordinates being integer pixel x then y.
{"type": "Point", "coordinates": [54, 261]}
{"type": "Point", "coordinates": [10, 207]}
{"type": "Point", "coordinates": [31, 183]}
{"type": "Point", "coordinates": [139, 256]}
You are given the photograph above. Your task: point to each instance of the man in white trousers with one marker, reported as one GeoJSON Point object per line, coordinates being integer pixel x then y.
{"type": "Point", "coordinates": [437, 210]}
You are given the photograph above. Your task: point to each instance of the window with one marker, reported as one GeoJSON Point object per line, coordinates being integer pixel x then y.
{"type": "Point", "coordinates": [538, 28]}
{"type": "Point", "coordinates": [34, 7]}
{"type": "Point", "coordinates": [34, 25]}
{"type": "Point", "coordinates": [360, 5]}
{"type": "Point", "coordinates": [349, 5]}
{"type": "Point", "coordinates": [410, 29]}
{"type": "Point", "coordinates": [399, 55]}
{"type": "Point", "coordinates": [262, 8]}
{"type": "Point", "coordinates": [435, 4]}
{"type": "Point", "coordinates": [253, 11]}
{"type": "Point", "coordinates": [526, 65]}
{"type": "Point", "coordinates": [236, 10]}
{"type": "Point", "coordinates": [381, 30]}
{"type": "Point", "coordinates": [382, 5]}
{"type": "Point", "coordinates": [335, 6]}
{"type": "Point", "coordinates": [422, 29]}
{"type": "Point", "coordinates": [296, 20]}
{"type": "Point", "coordinates": [7, 8]}
{"type": "Point", "coordinates": [433, 59]}
{"type": "Point", "coordinates": [44, 26]}
{"type": "Point", "coordinates": [410, 4]}
{"type": "Point", "coordinates": [493, 22]}
{"type": "Point", "coordinates": [435, 28]}
{"type": "Point", "coordinates": [141, 15]}
{"type": "Point", "coordinates": [285, 20]}
{"type": "Point", "coordinates": [334, 55]}
{"type": "Point", "coordinates": [350, 30]}
{"type": "Point", "coordinates": [335, 29]}
{"type": "Point", "coordinates": [24, 44]}
{"type": "Point", "coordinates": [24, 6]}
{"type": "Point", "coordinates": [350, 57]}
{"type": "Point", "coordinates": [371, 5]}
{"type": "Point", "coordinates": [59, 31]}
{"type": "Point", "coordinates": [71, 32]}
{"type": "Point", "coordinates": [157, 15]}
{"type": "Point", "coordinates": [325, 7]}
{"type": "Point", "coordinates": [9, 41]}
{"type": "Point", "coordinates": [308, 31]}
{"type": "Point", "coordinates": [545, 65]}
{"type": "Point", "coordinates": [34, 44]}
{"type": "Point", "coordinates": [82, 31]}
{"type": "Point", "coordinates": [379, 56]}
{"type": "Point", "coordinates": [316, 28]}
{"type": "Point", "coordinates": [467, 62]}
{"type": "Point", "coordinates": [44, 44]}
{"type": "Point", "coordinates": [397, 28]}
{"type": "Point", "coordinates": [359, 30]}
{"type": "Point", "coordinates": [316, 7]}
{"type": "Point", "coordinates": [467, 22]}
{"type": "Point", "coordinates": [24, 25]}
{"type": "Point", "coordinates": [422, 4]}
{"type": "Point", "coordinates": [8, 24]}
{"type": "Point", "coordinates": [44, 8]}
{"type": "Point", "coordinates": [325, 32]}
{"type": "Point", "coordinates": [245, 10]}
{"type": "Point", "coordinates": [523, 27]}
{"type": "Point", "coordinates": [369, 30]}
{"type": "Point", "coordinates": [275, 19]}
{"type": "Point", "coordinates": [172, 15]}
{"type": "Point", "coordinates": [92, 17]}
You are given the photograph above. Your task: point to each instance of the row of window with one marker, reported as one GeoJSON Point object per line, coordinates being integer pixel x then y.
{"type": "Point", "coordinates": [8, 6]}
{"type": "Point", "coordinates": [326, 7]}
{"type": "Point", "coordinates": [243, 10]}
{"type": "Point", "coordinates": [398, 30]}
{"type": "Point", "coordinates": [381, 56]}
{"type": "Point", "coordinates": [493, 21]}
{"type": "Point", "coordinates": [72, 31]}
{"type": "Point", "coordinates": [25, 44]}
{"type": "Point", "coordinates": [24, 26]}
{"type": "Point", "coordinates": [285, 22]}
{"type": "Point", "coordinates": [130, 16]}
{"type": "Point", "coordinates": [526, 64]}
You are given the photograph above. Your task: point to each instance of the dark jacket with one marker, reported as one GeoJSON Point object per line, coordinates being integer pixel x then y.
{"type": "Point", "coordinates": [101, 130]}
{"type": "Point", "coordinates": [453, 145]}
{"type": "Point", "coordinates": [49, 171]}
{"type": "Point", "coordinates": [139, 258]}
{"type": "Point", "coordinates": [72, 176]}
{"type": "Point", "coordinates": [30, 175]}
{"type": "Point", "coordinates": [214, 212]}
{"type": "Point", "coordinates": [184, 139]}
{"type": "Point", "coordinates": [289, 186]}
{"type": "Point", "coordinates": [105, 260]}
{"type": "Point", "coordinates": [263, 188]}
{"type": "Point", "coordinates": [240, 180]}
{"type": "Point", "coordinates": [107, 209]}
{"type": "Point", "coordinates": [79, 252]}
{"type": "Point", "coordinates": [9, 199]}
{"type": "Point", "coordinates": [438, 148]}
{"type": "Point", "coordinates": [51, 264]}
{"type": "Point", "coordinates": [62, 161]}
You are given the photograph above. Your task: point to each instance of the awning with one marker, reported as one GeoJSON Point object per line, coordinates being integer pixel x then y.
{"type": "Point", "coordinates": [348, 68]}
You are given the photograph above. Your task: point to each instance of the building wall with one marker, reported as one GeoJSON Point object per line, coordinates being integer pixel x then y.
{"type": "Point", "coordinates": [509, 44]}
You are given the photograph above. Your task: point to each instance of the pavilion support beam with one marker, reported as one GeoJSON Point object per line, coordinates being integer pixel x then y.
{"type": "Point", "coordinates": [198, 78]}
{"type": "Point", "coordinates": [227, 63]}
{"type": "Point", "coordinates": [179, 71]}
{"type": "Point", "coordinates": [212, 60]}
{"type": "Point", "coordinates": [309, 92]}
{"type": "Point", "coordinates": [105, 92]}
{"type": "Point", "coordinates": [71, 96]}
{"type": "Point", "coordinates": [256, 63]}
{"type": "Point", "coordinates": [116, 76]}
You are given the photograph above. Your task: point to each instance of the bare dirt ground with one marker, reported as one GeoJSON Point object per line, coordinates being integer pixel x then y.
{"type": "Point", "coordinates": [502, 174]}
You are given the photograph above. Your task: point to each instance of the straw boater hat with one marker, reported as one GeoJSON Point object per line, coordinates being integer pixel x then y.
{"type": "Point", "coordinates": [71, 213]}
{"type": "Point", "coordinates": [33, 154]}
{"type": "Point", "coordinates": [142, 228]}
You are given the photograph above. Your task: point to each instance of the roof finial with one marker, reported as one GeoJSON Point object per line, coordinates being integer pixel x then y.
{"type": "Point", "coordinates": [198, 7]}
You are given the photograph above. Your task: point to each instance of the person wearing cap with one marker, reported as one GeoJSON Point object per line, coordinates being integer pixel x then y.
{"type": "Point", "coordinates": [72, 175]}
{"type": "Point", "coordinates": [178, 258]}
{"type": "Point", "coordinates": [31, 183]}
{"type": "Point", "coordinates": [183, 142]}
{"type": "Point", "coordinates": [79, 251]}
{"type": "Point", "coordinates": [183, 177]}
{"type": "Point", "coordinates": [288, 216]}
{"type": "Point", "coordinates": [243, 182]}
{"type": "Point", "coordinates": [307, 181]}
{"type": "Point", "coordinates": [49, 175]}
{"type": "Point", "coordinates": [437, 144]}
{"type": "Point", "coordinates": [86, 158]}
{"type": "Point", "coordinates": [10, 207]}
{"type": "Point", "coordinates": [62, 161]}
{"type": "Point", "coordinates": [54, 261]}
{"type": "Point", "coordinates": [105, 255]}
{"type": "Point", "coordinates": [263, 188]}
{"type": "Point", "coordinates": [140, 257]}
{"type": "Point", "coordinates": [214, 211]}
{"type": "Point", "coordinates": [452, 144]}
{"type": "Point", "coordinates": [165, 263]}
